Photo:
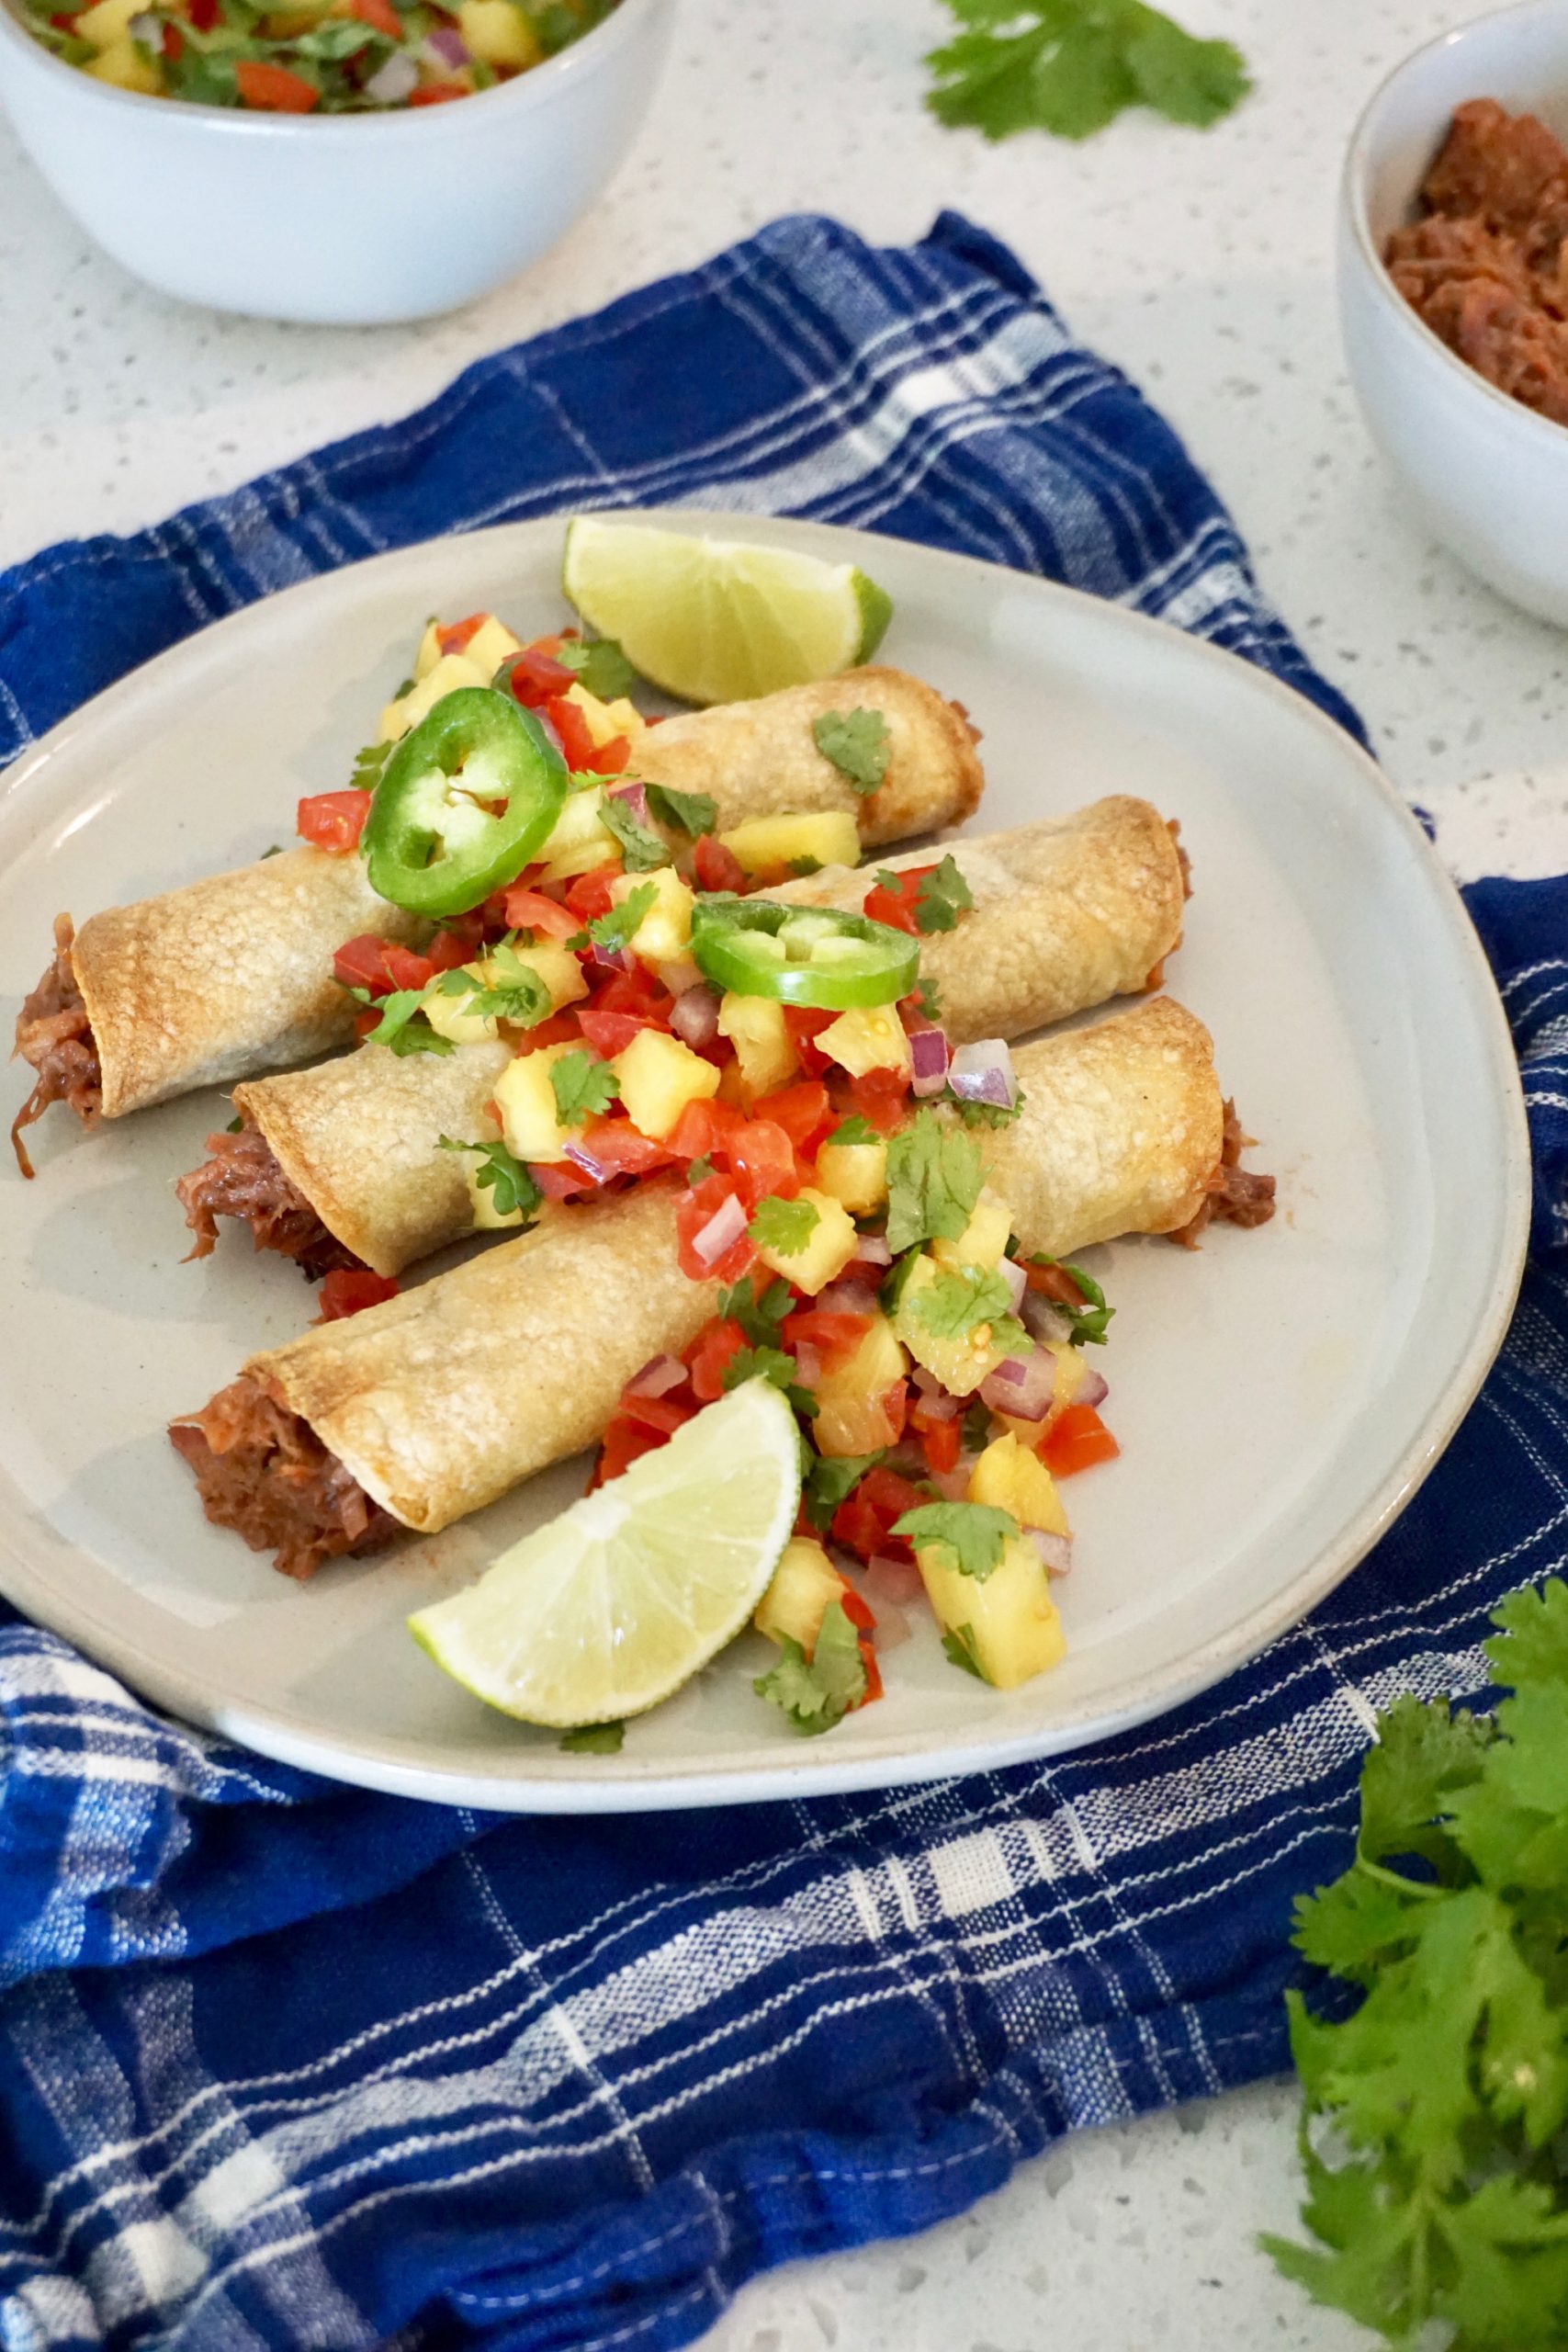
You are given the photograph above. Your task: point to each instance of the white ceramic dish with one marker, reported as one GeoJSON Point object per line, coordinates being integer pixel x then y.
{"type": "Point", "coordinates": [1277, 1397]}
{"type": "Point", "coordinates": [347, 220]}
{"type": "Point", "coordinates": [1489, 476]}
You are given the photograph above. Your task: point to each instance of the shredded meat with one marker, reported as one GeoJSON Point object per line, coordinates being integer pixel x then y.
{"type": "Point", "coordinates": [265, 1473]}
{"type": "Point", "coordinates": [54, 1034]}
{"type": "Point", "coordinates": [1486, 266]}
{"type": "Point", "coordinates": [1236, 1195]}
{"type": "Point", "coordinates": [242, 1179]}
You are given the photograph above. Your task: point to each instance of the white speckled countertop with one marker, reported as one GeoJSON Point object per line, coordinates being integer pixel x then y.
{"type": "Point", "coordinates": [1204, 264]}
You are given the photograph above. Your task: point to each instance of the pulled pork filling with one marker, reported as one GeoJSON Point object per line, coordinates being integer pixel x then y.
{"type": "Point", "coordinates": [242, 1179]}
{"type": "Point", "coordinates": [55, 1035]}
{"type": "Point", "coordinates": [1236, 1195]}
{"type": "Point", "coordinates": [265, 1473]}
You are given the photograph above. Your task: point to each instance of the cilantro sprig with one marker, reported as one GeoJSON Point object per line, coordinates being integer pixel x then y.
{"type": "Point", "coordinates": [501, 1174]}
{"type": "Point", "coordinates": [785, 1227]}
{"type": "Point", "coordinates": [583, 1086]}
{"type": "Point", "coordinates": [959, 1299]}
{"type": "Point", "coordinates": [858, 745]}
{"type": "Point", "coordinates": [830, 1479]}
{"type": "Point", "coordinates": [814, 1694]}
{"type": "Point", "coordinates": [641, 850]}
{"type": "Point", "coordinates": [399, 1028]}
{"type": "Point", "coordinates": [599, 664]}
{"type": "Point", "coordinates": [1441, 2197]}
{"type": "Point", "coordinates": [1071, 66]}
{"type": "Point", "coordinates": [617, 929]}
{"type": "Point", "coordinates": [933, 1182]}
{"type": "Point", "coordinates": [1088, 1324]}
{"type": "Point", "coordinates": [975, 1533]}
{"type": "Point", "coordinates": [684, 812]}
{"type": "Point", "coordinates": [759, 1313]}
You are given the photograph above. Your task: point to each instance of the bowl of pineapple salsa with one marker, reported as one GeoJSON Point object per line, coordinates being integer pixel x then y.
{"type": "Point", "coordinates": [327, 139]}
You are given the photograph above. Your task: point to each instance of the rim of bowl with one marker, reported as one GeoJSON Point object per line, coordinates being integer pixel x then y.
{"type": "Point", "coordinates": [533, 88]}
{"type": "Point", "coordinates": [1353, 200]}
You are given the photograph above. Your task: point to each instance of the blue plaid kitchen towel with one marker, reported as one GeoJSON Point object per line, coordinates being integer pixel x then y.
{"type": "Point", "coordinates": [286, 2065]}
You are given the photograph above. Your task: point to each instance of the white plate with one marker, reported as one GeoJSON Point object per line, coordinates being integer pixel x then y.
{"type": "Point", "coordinates": [1278, 1397]}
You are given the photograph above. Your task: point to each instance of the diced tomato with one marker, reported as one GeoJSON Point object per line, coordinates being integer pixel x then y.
{"type": "Point", "coordinates": [692, 1214]}
{"type": "Point", "coordinates": [576, 738]}
{"type": "Point", "coordinates": [610, 1033]}
{"type": "Point", "coordinates": [873, 1671]}
{"type": "Point", "coordinates": [554, 1029]}
{"type": "Point", "coordinates": [862, 1525]}
{"type": "Point", "coordinates": [896, 1406]}
{"type": "Point", "coordinates": [1076, 1439]}
{"type": "Point", "coordinates": [802, 1111]}
{"type": "Point", "coordinates": [762, 1158]}
{"type": "Point", "coordinates": [715, 868]}
{"type": "Point", "coordinates": [896, 905]}
{"type": "Point", "coordinates": [805, 1026]}
{"type": "Point", "coordinates": [881, 1099]}
{"type": "Point", "coordinates": [459, 635]}
{"type": "Point", "coordinates": [621, 1151]}
{"type": "Point", "coordinates": [1055, 1282]}
{"type": "Point", "coordinates": [173, 42]}
{"type": "Point", "coordinates": [941, 1443]}
{"type": "Point", "coordinates": [203, 13]}
{"type": "Point", "coordinates": [708, 1356]}
{"type": "Point", "coordinates": [588, 895]}
{"type": "Point", "coordinates": [349, 1290]}
{"type": "Point", "coordinates": [448, 949]}
{"type": "Point", "coordinates": [834, 1336]}
{"type": "Point", "coordinates": [273, 88]}
{"type": "Point", "coordinates": [558, 1180]}
{"type": "Point", "coordinates": [333, 820]}
{"type": "Point", "coordinates": [436, 94]}
{"type": "Point", "coordinates": [383, 17]}
{"type": "Point", "coordinates": [525, 910]}
{"type": "Point", "coordinates": [381, 966]}
{"type": "Point", "coordinates": [639, 992]}
{"type": "Point", "coordinates": [624, 1441]}
{"type": "Point", "coordinates": [536, 677]}
{"type": "Point", "coordinates": [664, 1413]}
{"type": "Point", "coordinates": [703, 1128]}
{"type": "Point", "coordinates": [859, 1611]}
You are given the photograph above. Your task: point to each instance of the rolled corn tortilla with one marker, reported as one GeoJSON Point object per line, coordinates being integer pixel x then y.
{"type": "Point", "coordinates": [1069, 913]}
{"type": "Point", "coordinates": [446, 1396]}
{"type": "Point", "coordinates": [233, 975]}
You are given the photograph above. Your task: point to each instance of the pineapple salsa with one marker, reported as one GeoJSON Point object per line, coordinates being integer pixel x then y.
{"type": "Point", "coordinates": [323, 57]}
{"type": "Point", "coordinates": [789, 1067]}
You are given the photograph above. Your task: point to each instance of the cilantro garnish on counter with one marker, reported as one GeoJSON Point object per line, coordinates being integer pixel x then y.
{"type": "Point", "coordinates": [1071, 66]}
{"type": "Point", "coordinates": [1432, 2131]}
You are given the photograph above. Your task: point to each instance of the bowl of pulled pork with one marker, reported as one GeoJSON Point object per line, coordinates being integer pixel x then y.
{"type": "Point", "coordinates": [1454, 292]}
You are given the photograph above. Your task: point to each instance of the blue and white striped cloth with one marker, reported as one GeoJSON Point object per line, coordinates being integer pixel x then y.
{"type": "Point", "coordinates": [286, 2065]}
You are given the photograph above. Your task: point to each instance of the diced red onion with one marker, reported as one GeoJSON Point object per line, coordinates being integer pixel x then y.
{"type": "Point", "coordinates": [148, 30]}
{"type": "Point", "coordinates": [1016, 1278]}
{"type": "Point", "coordinates": [609, 960]}
{"type": "Point", "coordinates": [1022, 1385]}
{"type": "Point", "coordinates": [847, 1297]}
{"type": "Point", "coordinates": [952, 1484]}
{"type": "Point", "coordinates": [580, 1157]}
{"type": "Point", "coordinates": [891, 1630]}
{"type": "Point", "coordinates": [445, 46]}
{"type": "Point", "coordinates": [872, 1250]}
{"type": "Point", "coordinates": [1092, 1389]}
{"type": "Point", "coordinates": [721, 1232]}
{"type": "Point", "coordinates": [935, 1402]}
{"type": "Point", "coordinates": [695, 1017]}
{"type": "Point", "coordinates": [657, 1377]}
{"type": "Point", "coordinates": [807, 1365]}
{"type": "Point", "coordinates": [633, 796]}
{"type": "Point", "coordinates": [394, 80]}
{"type": "Point", "coordinates": [1055, 1551]}
{"type": "Point", "coordinates": [888, 1581]}
{"type": "Point", "coordinates": [983, 1073]}
{"type": "Point", "coordinates": [1040, 1319]}
{"type": "Point", "coordinates": [928, 1055]}
{"type": "Point", "coordinates": [547, 725]}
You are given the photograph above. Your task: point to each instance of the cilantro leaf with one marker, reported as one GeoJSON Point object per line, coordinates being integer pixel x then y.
{"type": "Point", "coordinates": [1087, 1322]}
{"type": "Point", "coordinates": [928, 999]}
{"type": "Point", "coordinates": [599, 664]}
{"type": "Point", "coordinates": [512, 990]}
{"type": "Point", "coordinates": [235, 1127]}
{"type": "Point", "coordinates": [933, 1182]}
{"type": "Point", "coordinates": [974, 1532]}
{"type": "Point", "coordinates": [594, 1740]}
{"type": "Point", "coordinates": [942, 897]}
{"type": "Point", "coordinates": [830, 1479]}
{"type": "Point", "coordinates": [818, 1693]}
{"type": "Point", "coordinates": [785, 1227]}
{"type": "Point", "coordinates": [769, 1363]}
{"type": "Point", "coordinates": [583, 1086]}
{"type": "Point", "coordinates": [855, 1130]}
{"type": "Point", "coordinates": [982, 1115]}
{"type": "Point", "coordinates": [684, 812]}
{"type": "Point", "coordinates": [960, 1299]}
{"type": "Point", "coordinates": [759, 1313]}
{"type": "Point", "coordinates": [397, 1028]}
{"type": "Point", "coordinates": [502, 1175]}
{"type": "Point", "coordinates": [958, 1644]}
{"type": "Point", "coordinates": [976, 1426]}
{"type": "Point", "coordinates": [1071, 66]}
{"type": "Point", "coordinates": [615, 930]}
{"type": "Point", "coordinates": [803, 865]}
{"type": "Point", "coordinates": [641, 850]}
{"type": "Point", "coordinates": [858, 745]}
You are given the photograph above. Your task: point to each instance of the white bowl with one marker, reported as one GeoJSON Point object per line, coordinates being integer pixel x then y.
{"type": "Point", "coordinates": [1489, 475]}
{"type": "Point", "coordinates": [347, 220]}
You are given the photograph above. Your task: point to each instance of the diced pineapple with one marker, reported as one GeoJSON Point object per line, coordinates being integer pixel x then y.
{"type": "Point", "coordinates": [558, 967]}
{"type": "Point", "coordinates": [526, 1100]}
{"type": "Point", "coordinates": [665, 931]}
{"type": "Point", "coordinates": [676, 973]}
{"type": "Point", "coordinates": [961, 1363]}
{"type": "Point", "coordinates": [852, 1417]}
{"type": "Point", "coordinates": [804, 1584]}
{"type": "Point", "coordinates": [429, 653]}
{"type": "Point", "coordinates": [855, 1173]}
{"type": "Point", "coordinates": [452, 670]}
{"type": "Point", "coordinates": [499, 33]}
{"type": "Point", "coordinates": [625, 719]}
{"type": "Point", "coordinates": [1009, 1618]}
{"type": "Point", "coordinates": [865, 1041]}
{"type": "Point", "coordinates": [1070, 1369]}
{"type": "Point", "coordinates": [1010, 1478]}
{"type": "Point", "coordinates": [984, 1240]}
{"type": "Point", "coordinates": [658, 1075]}
{"type": "Point", "coordinates": [757, 1029]}
{"type": "Point", "coordinates": [125, 67]}
{"type": "Point", "coordinates": [605, 720]}
{"type": "Point", "coordinates": [492, 642]}
{"type": "Point", "coordinates": [449, 1015]}
{"type": "Point", "coordinates": [108, 23]}
{"type": "Point", "coordinates": [767, 844]}
{"type": "Point", "coordinates": [830, 1246]}
{"type": "Point", "coordinates": [579, 840]}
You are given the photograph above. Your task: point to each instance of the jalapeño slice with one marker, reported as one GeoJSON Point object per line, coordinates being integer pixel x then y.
{"type": "Point", "coordinates": [467, 798]}
{"type": "Point", "coordinates": [810, 956]}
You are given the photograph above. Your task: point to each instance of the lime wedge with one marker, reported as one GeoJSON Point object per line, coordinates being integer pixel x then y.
{"type": "Point", "coordinates": [610, 1607]}
{"type": "Point", "coordinates": [718, 620]}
